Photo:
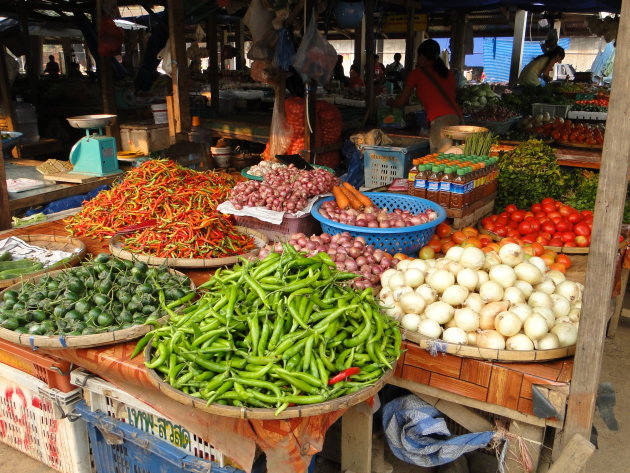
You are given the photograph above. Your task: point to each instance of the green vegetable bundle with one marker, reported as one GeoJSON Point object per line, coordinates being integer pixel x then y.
{"type": "Point", "coordinates": [104, 294]}
{"type": "Point", "coordinates": [283, 330]}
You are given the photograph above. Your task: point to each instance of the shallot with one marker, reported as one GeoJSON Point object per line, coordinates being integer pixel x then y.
{"type": "Point", "coordinates": [374, 217]}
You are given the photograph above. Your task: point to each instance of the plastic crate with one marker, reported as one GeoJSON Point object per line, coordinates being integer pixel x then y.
{"type": "Point", "coordinates": [582, 115]}
{"type": "Point", "coordinates": [383, 164]}
{"type": "Point", "coordinates": [55, 373]}
{"type": "Point", "coordinates": [120, 448]}
{"type": "Point", "coordinates": [101, 396]}
{"type": "Point", "coordinates": [282, 232]}
{"type": "Point", "coordinates": [407, 240]}
{"type": "Point", "coordinates": [553, 110]}
{"type": "Point", "coordinates": [33, 420]}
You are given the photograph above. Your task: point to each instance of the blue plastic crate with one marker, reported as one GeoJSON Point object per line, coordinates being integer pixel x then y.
{"type": "Point", "coordinates": [406, 240]}
{"type": "Point", "coordinates": [383, 164]}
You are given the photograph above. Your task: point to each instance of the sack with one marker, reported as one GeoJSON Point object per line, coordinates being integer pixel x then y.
{"type": "Point", "coordinates": [315, 58]}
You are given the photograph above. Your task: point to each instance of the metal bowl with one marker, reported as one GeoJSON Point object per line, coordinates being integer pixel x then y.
{"type": "Point", "coordinates": [91, 121]}
{"type": "Point", "coordinates": [462, 132]}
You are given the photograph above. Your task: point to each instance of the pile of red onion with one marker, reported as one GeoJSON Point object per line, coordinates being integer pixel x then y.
{"type": "Point", "coordinates": [284, 189]}
{"type": "Point", "coordinates": [349, 254]}
{"type": "Point", "coordinates": [373, 217]}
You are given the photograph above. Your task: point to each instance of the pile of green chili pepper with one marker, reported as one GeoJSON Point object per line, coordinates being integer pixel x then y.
{"type": "Point", "coordinates": [276, 332]}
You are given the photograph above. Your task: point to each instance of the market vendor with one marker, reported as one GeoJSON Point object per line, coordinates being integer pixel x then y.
{"type": "Point", "coordinates": [541, 67]}
{"type": "Point", "coordinates": [435, 88]}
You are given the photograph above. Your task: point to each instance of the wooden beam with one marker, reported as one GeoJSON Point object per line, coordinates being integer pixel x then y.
{"type": "Point", "coordinates": [410, 41]}
{"type": "Point", "coordinates": [179, 73]}
{"type": "Point", "coordinates": [520, 27]}
{"type": "Point", "coordinates": [5, 92]}
{"type": "Point", "coordinates": [356, 439]}
{"type": "Point", "coordinates": [370, 117]}
{"type": "Point", "coordinates": [574, 456]}
{"type": "Point", "coordinates": [66, 47]}
{"type": "Point", "coordinates": [611, 196]}
{"type": "Point", "coordinates": [458, 31]}
{"type": "Point", "coordinates": [464, 416]}
{"type": "Point", "coordinates": [239, 45]}
{"type": "Point", "coordinates": [614, 321]}
{"type": "Point", "coordinates": [310, 97]}
{"type": "Point", "coordinates": [5, 212]}
{"type": "Point", "coordinates": [108, 94]}
{"type": "Point", "coordinates": [212, 43]}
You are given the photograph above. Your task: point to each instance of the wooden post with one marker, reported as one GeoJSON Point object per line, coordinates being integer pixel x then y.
{"type": "Point", "coordinates": [611, 195]}
{"type": "Point", "coordinates": [574, 456]}
{"type": "Point", "coordinates": [240, 47]}
{"type": "Point", "coordinates": [5, 213]}
{"type": "Point", "coordinates": [359, 45]}
{"type": "Point", "coordinates": [212, 43]}
{"type": "Point", "coordinates": [5, 92]}
{"type": "Point", "coordinates": [179, 73]}
{"type": "Point", "coordinates": [108, 94]}
{"type": "Point", "coordinates": [88, 57]}
{"type": "Point", "coordinates": [356, 439]}
{"type": "Point", "coordinates": [66, 46]}
{"type": "Point", "coordinates": [369, 62]}
{"type": "Point", "coordinates": [410, 41]}
{"type": "Point", "coordinates": [34, 43]}
{"type": "Point", "coordinates": [457, 40]}
{"type": "Point", "coordinates": [520, 26]}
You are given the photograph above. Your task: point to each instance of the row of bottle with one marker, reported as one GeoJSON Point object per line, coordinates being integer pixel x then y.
{"type": "Point", "coordinates": [453, 181]}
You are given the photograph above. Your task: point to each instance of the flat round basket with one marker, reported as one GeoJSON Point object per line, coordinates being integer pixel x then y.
{"type": "Point", "coordinates": [568, 144]}
{"type": "Point", "coordinates": [392, 240]}
{"type": "Point", "coordinates": [467, 351]}
{"type": "Point", "coordinates": [340, 403]}
{"type": "Point", "coordinates": [462, 132]}
{"type": "Point", "coordinates": [75, 341]}
{"type": "Point", "coordinates": [116, 248]}
{"type": "Point", "coordinates": [51, 242]}
{"type": "Point", "coordinates": [260, 178]}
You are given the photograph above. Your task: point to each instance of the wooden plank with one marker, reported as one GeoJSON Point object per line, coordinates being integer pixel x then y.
{"type": "Point", "coordinates": [212, 43]}
{"type": "Point", "coordinates": [614, 321]}
{"type": "Point", "coordinates": [417, 375]}
{"type": "Point", "coordinates": [574, 456]}
{"type": "Point", "coordinates": [532, 437]}
{"type": "Point", "coordinates": [356, 439]}
{"type": "Point", "coordinates": [447, 365]}
{"type": "Point", "coordinates": [505, 386]}
{"type": "Point", "coordinates": [474, 403]}
{"type": "Point", "coordinates": [464, 416]}
{"type": "Point", "coordinates": [475, 371]}
{"type": "Point", "coordinates": [179, 73]}
{"type": "Point", "coordinates": [457, 386]}
{"type": "Point", "coordinates": [68, 177]}
{"type": "Point", "coordinates": [611, 196]}
{"type": "Point", "coordinates": [5, 92]}
{"type": "Point", "coordinates": [5, 211]}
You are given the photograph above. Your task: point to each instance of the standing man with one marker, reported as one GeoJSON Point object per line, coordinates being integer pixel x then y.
{"type": "Point", "coordinates": [393, 72]}
{"type": "Point", "coordinates": [52, 68]}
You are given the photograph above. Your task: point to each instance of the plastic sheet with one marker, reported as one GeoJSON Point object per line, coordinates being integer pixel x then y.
{"type": "Point", "coordinates": [316, 57]}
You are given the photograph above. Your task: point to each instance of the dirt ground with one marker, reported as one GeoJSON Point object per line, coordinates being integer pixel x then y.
{"type": "Point", "coordinates": [613, 455]}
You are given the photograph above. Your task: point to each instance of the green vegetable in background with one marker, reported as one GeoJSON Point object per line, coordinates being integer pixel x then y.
{"type": "Point", "coordinates": [583, 192]}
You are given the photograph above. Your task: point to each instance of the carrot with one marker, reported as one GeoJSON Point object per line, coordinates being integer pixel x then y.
{"type": "Point", "coordinates": [364, 199]}
{"type": "Point", "coordinates": [354, 202]}
{"type": "Point", "coordinates": [340, 197]}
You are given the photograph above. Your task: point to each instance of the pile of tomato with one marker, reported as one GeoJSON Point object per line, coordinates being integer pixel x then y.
{"type": "Point", "coordinates": [601, 102]}
{"type": "Point", "coordinates": [549, 222]}
{"type": "Point", "coordinates": [565, 131]}
{"type": "Point", "coordinates": [445, 237]}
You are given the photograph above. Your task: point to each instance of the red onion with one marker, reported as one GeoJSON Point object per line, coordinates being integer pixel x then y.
{"type": "Point", "coordinates": [361, 260]}
{"type": "Point", "coordinates": [351, 265]}
{"type": "Point", "coordinates": [355, 253]}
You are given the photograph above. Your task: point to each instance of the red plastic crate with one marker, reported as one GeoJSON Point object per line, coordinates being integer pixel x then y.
{"type": "Point", "coordinates": [55, 373]}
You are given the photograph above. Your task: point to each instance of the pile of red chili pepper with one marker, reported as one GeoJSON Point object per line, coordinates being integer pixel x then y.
{"type": "Point", "coordinates": [183, 203]}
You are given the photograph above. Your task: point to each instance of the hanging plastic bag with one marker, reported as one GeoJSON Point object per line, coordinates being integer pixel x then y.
{"type": "Point", "coordinates": [110, 38]}
{"type": "Point", "coordinates": [165, 56]}
{"type": "Point", "coordinates": [280, 134]}
{"type": "Point", "coordinates": [284, 50]}
{"type": "Point", "coordinates": [316, 58]}
{"type": "Point", "coordinates": [258, 20]}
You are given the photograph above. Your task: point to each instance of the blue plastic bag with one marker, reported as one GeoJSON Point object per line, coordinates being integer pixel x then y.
{"type": "Point", "coordinates": [354, 161]}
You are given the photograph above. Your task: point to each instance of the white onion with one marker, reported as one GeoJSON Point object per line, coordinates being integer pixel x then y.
{"type": "Point", "coordinates": [440, 279]}
{"type": "Point", "coordinates": [513, 295]}
{"type": "Point", "coordinates": [547, 286]}
{"type": "Point", "coordinates": [410, 322]}
{"type": "Point", "coordinates": [528, 272]}
{"type": "Point", "coordinates": [399, 291]}
{"type": "Point", "coordinates": [492, 259]}
{"type": "Point", "coordinates": [418, 264]}
{"type": "Point", "coordinates": [482, 277]}
{"type": "Point", "coordinates": [507, 323]}
{"type": "Point", "coordinates": [468, 278]}
{"type": "Point", "coordinates": [547, 314]}
{"type": "Point", "coordinates": [412, 302]}
{"type": "Point", "coordinates": [490, 339]}
{"type": "Point", "coordinates": [466, 319]}
{"type": "Point", "coordinates": [561, 305]}
{"type": "Point", "coordinates": [395, 312]}
{"type": "Point", "coordinates": [403, 265]}
{"type": "Point", "coordinates": [455, 335]}
{"type": "Point", "coordinates": [563, 320]}
{"type": "Point", "coordinates": [430, 328]}
{"type": "Point", "coordinates": [439, 311]}
{"type": "Point", "coordinates": [450, 323]}
{"type": "Point", "coordinates": [396, 280]}
{"type": "Point", "coordinates": [454, 268]}
{"type": "Point", "coordinates": [488, 313]}
{"type": "Point", "coordinates": [413, 277]}
{"type": "Point", "coordinates": [566, 333]}
{"type": "Point", "coordinates": [474, 302]}
{"type": "Point", "coordinates": [472, 338]}
{"type": "Point", "coordinates": [525, 287]}
{"type": "Point", "coordinates": [491, 291]}
{"type": "Point", "coordinates": [388, 273]}
{"type": "Point", "coordinates": [387, 301]}
{"type": "Point", "coordinates": [454, 253]}
{"type": "Point", "coordinates": [556, 276]}
{"type": "Point", "coordinates": [511, 254]}
{"type": "Point", "coordinates": [384, 292]}
{"type": "Point", "coordinates": [540, 299]}
{"type": "Point", "coordinates": [503, 274]}
{"type": "Point", "coordinates": [519, 342]}
{"type": "Point", "coordinates": [548, 342]}
{"type": "Point", "coordinates": [539, 263]}
{"type": "Point", "coordinates": [455, 295]}
{"type": "Point", "coordinates": [472, 258]}
{"type": "Point", "coordinates": [427, 293]}
{"type": "Point", "coordinates": [574, 314]}
{"type": "Point", "coordinates": [535, 326]}
{"type": "Point", "coordinates": [570, 290]}
{"type": "Point", "coordinates": [523, 310]}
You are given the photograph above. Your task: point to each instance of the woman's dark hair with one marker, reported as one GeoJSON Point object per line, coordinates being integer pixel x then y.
{"type": "Point", "coordinates": [355, 68]}
{"type": "Point", "coordinates": [430, 49]}
{"type": "Point", "coordinates": [552, 53]}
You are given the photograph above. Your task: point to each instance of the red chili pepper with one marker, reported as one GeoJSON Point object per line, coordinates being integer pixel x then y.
{"type": "Point", "coordinates": [343, 375]}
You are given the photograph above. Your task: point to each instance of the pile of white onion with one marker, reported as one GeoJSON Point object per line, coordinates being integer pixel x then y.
{"type": "Point", "coordinates": [495, 300]}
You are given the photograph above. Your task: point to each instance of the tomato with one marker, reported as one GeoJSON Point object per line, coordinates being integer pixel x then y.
{"type": "Point", "coordinates": [553, 215]}
{"type": "Point", "coordinates": [565, 210]}
{"type": "Point", "coordinates": [570, 244]}
{"type": "Point", "coordinates": [511, 208]}
{"type": "Point", "coordinates": [489, 226]}
{"type": "Point", "coordinates": [529, 214]}
{"type": "Point", "coordinates": [568, 236]}
{"type": "Point", "coordinates": [546, 235]}
{"type": "Point", "coordinates": [443, 229]}
{"type": "Point", "coordinates": [539, 249]}
{"type": "Point", "coordinates": [447, 246]}
{"type": "Point", "coordinates": [525, 227]}
{"type": "Point", "coordinates": [536, 208]}
{"type": "Point", "coordinates": [501, 221]}
{"type": "Point", "coordinates": [548, 208]}
{"type": "Point", "coordinates": [621, 238]}
{"type": "Point", "coordinates": [436, 245]}
{"type": "Point", "coordinates": [472, 242]}
{"type": "Point", "coordinates": [517, 216]}
{"type": "Point", "coordinates": [574, 217]}
{"type": "Point", "coordinates": [556, 242]}
{"type": "Point", "coordinates": [586, 213]}
{"type": "Point", "coordinates": [504, 214]}
{"type": "Point", "coordinates": [581, 241]}
{"type": "Point", "coordinates": [563, 226]}
{"type": "Point", "coordinates": [513, 225]}
{"type": "Point", "coordinates": [493, 247]}
{"type": "Point", "coordinates": [531, 238]}
{"type": "Point", "coordinates": [547, 200]}
{"type": "Point", "coordinates": [540, 216]}
{"type": "Point", "coordinates": [470, 231]}
{"type": "Point", "coordinates": [487, 249]}
{"type": "Point", "coordinates": [542, 240]}
{"type": "Point", "coordinates": [488, 221]}
{"type": "Point", "coordinates": [558, 204]}
{"type": "Point", "coordinates": [589, 220]}
{"type": "Point", "coordinates": [548, 227]}
{"type": "Point", "coordinates": [558, 267]}
{"type": "Point", "coordinates": [458, 237]}
{"type": "Point", "coordinates": [507, 240]}
{"type": "Point", "coordinates": [535, 224]}
{"type": "Point", "coordinates": [582, 229]}
{"type": "Point", "coordinates": [513, 233]}
{"type": "Point", "coordinates": [564, 259]}
{"type": "Point", "coordinates": [501, 230]}
{"type": "Point", "coordinates": [485, 239]}
{"type": "Point", "coordinates": [435, 237]}
{"type": "Point", "coordinates": [426, 252]}
{"type": "Point", "coordinates": [528, 250]}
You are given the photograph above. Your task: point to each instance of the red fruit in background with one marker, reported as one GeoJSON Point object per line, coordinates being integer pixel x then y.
{"type": "Point", "coordinates": [513, 225]}
{"type": "Point", "coordinates": [536, 208]}
{"type": "Point", "coordinates": [525, 227]}
{"type": "Point", "coordinates": [501, 221]}
{"type": "Point", "coordinates": [563, 226]}
{"type": "Point", "coordinates": [540, 215]}
{"type": "Point", "coordinates": [517, 216]}
{"type": "Point", "coordinates": [489, 226]}
{"type": "Point", "coordinates": [586, 213]}
{"type": "Point", "coordinates": [565, 210]}
{"type": "Point", "coordinates": [546, 235]}
{"type": "Point", "coordinates": [529, 214]}
{"type": "Point", "coordinates": [531, 238]}
{"type": "Point", "coordinates": [535, 224]}
{"type": "Point", "coordinates": [581, 241]}
{"type": "Point", "coordinates": [501, 230]}
{"type": "Point", "coordinates": [504, 214]}
{"type": "Point", "coordinates": [488, 220]}
{"type": "Point", "coordinates": [621, 238]}
{"type": "Point", "coordinates": [582, 229]}
{"type": "Point", "coordinates": [548, 208]}
{"type": "Point", "coordinates": [548, 227]}
{"type": "Point", "coordinates": [568, 236]}
{"type": "Point", "coordinates": [539, 248]}
{"type": "Point", "coordinates": [511, 208]}
{"type": "Point", "coordinates": [556, 242]}
{"type": "Point", "coordinates": [547, 200]}
{"type": "Point", "coordinates": [564, 259]}
{"type": "Point", "coordinates": [513, 233]}
{"type": "Point", "coordinates": [558, 204]}
{"type": "Point", "coordinates": [443, 229]}
{"type": "Point", "coordinates": [574, 217]}
{"type": "Point", "coordinates": [554, 214]}
{"type": "Point", "coordinates": [542, 240]}
{"type": "Point", "coordinates": [570, 244]}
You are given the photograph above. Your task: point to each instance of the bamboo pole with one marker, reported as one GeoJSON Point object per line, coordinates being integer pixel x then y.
{"type": "Point", "coordinates": [611, 195]}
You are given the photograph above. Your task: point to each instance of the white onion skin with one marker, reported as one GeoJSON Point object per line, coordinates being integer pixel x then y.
{"type": "Point", "coordinates": [490, 339]}
{"type": "Point", "coordinates": [430, 328]}
{"type": "Point", "coordinates": [455, 335]}
{"type": "Point", "coordinates": [519, 342]}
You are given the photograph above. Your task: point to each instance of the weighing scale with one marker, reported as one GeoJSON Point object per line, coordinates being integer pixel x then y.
{"type": "Point", "coordinates": [95, 153]}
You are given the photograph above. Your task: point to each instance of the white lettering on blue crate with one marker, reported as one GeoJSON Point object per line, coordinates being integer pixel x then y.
{"type": "Point", "coordinates": [166, 430]}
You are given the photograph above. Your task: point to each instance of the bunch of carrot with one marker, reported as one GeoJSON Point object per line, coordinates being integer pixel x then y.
{"type": "Point", "coordinates": [346, 195]}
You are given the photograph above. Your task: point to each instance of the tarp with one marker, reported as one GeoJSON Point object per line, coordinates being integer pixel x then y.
{"type": "Point", "coordinates": [613, 6]}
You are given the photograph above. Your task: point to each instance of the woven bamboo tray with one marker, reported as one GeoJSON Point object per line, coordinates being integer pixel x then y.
{"type": "Point", "coordinates": [116, 248]}
{"type": "Point", "coordinates": [340, 403]}
{"type": "Point", "coordinates": [467, 351]}
{"type": "Point", "coordinates": [76, 341]}
{"type": "Point", "coordinates": [568, 144]}
{"type": "Point", "coordinates": [50, 242]}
